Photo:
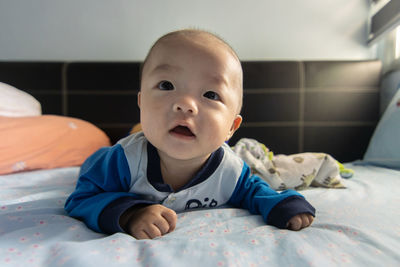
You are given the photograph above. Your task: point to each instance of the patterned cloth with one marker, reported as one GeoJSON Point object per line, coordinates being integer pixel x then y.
{"type": "Point", "coordinates": [297, 171]}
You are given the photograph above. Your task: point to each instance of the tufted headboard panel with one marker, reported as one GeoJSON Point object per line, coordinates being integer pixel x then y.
{"type": "Point", "coordinates": [290, 106]}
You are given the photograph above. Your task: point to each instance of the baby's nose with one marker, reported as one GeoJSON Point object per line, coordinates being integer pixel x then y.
{"type": "Point", "coordinates": [186, 105]}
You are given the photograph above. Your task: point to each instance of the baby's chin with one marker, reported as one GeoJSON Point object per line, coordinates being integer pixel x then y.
{"type": "Point", "coordinates": [185, 156]}
{"type": "Point", "coordinates": [182, 150]}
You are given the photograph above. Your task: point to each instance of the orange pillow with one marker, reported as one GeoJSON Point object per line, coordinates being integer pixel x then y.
{"type": "Point", "coordinates": [47, 141]}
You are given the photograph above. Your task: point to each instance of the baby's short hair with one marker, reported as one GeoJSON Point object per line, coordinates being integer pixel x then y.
{"type": "Point", "coordinates": [194, 32]}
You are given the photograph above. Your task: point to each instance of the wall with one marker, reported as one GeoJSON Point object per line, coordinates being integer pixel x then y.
{"type": "Point", "coordinates": [124, 29]}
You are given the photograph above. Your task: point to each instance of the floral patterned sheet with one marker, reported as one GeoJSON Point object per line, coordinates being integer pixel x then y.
{"type": "Point", "coordinates": [356, 226]}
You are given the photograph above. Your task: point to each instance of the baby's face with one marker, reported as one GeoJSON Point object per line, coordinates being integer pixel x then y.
{"type": "Point", "coordinates": [190, 95]}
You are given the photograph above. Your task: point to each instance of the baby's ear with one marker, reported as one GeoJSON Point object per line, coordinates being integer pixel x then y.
{"type": "Point", "coordinates": [138, 99]}
{"type": "Point", "coordinates": [235, 125]}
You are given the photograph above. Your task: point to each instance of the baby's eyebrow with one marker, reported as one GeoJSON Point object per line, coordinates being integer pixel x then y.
{"type": "Point", "coordinates": [219, 79]}
{"type": "Point", "coordinates": [166, 67]}
{"type": "Point", "coordinates": [214, 79]}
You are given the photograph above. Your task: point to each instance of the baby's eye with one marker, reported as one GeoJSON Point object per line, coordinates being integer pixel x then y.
{"type": "Point", "coordinates": [212, 95]}
{"type": "Point", "coordinates": [165, 85]}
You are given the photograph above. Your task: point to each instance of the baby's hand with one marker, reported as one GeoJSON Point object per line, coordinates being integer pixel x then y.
{"type": "Point", "coordinates": [300, 221]}
{"type": "Point", "coordinates": [149, 222]}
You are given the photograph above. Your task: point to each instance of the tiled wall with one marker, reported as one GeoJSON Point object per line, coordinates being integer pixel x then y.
{"type": "Point", "coordinates": [290, 106]}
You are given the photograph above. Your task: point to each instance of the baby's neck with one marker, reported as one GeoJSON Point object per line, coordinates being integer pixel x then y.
{"type": "Point", "coordinates": [177, 173]}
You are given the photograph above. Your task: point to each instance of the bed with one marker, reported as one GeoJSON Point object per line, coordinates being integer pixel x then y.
{"type": "Point", "coordinates": [358, 226]}
{"type": "Point", "coordinates": [355, 226]}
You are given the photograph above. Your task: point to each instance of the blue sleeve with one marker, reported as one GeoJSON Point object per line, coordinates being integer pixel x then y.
{"type": "Point", "coordinates": [109, 217]}
{"type": "Point", "coordinates": [104, 178]}
{"type": "Point", "coordinates": [254, 194]}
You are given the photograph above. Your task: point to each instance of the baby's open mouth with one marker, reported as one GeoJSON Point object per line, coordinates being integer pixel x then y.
{"type": "Point", "coordinates": [182, 130]}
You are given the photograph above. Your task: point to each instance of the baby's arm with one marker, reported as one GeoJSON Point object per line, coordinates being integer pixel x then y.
{"type": "Point", "coordinates": [300, 221]}
{"type": "Point", "coordinates": [148, 221]}
{"type": "Point", "coordinates": [285, 210]}
{"type": "Point", "coordinates": [103, 179]}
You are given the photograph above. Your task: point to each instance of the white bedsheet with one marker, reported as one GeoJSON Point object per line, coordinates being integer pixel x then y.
{"type": "Point", "coordinates": [357, 226]}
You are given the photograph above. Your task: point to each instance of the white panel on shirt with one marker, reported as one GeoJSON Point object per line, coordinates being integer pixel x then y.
{"type": "Point", "coordinates": [212, 192]}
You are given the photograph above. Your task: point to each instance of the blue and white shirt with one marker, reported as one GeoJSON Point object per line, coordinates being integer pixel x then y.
{"type": "Point", "coordinates": [116, 178]}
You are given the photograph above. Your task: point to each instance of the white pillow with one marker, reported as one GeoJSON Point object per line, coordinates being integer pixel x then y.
{"type": "Point", "coordinates": [17, 103]}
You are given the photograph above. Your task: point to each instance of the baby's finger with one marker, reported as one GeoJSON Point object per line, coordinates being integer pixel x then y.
{"type": "Point", "coordinates": [152, 231]}
{"type": "Point", "coordinates": [305, 221]}
{"type": "Point", "coordinates": [163, 225]}
{"type": "Point", "coordinates": [295, 223]}
{"type": "Point", "coordinates": [312, 220]}
{"type": "Point", "coordinates": [140, 235]}
{"type": "Point", "coordinates": [171, 217]}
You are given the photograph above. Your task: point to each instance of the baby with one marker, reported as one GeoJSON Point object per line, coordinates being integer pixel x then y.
{"type": "Point", "coordinates": [190, 100]}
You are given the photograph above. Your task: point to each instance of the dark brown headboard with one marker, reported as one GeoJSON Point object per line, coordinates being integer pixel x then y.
{"type": "Point", "coordinates": [290, 106]}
